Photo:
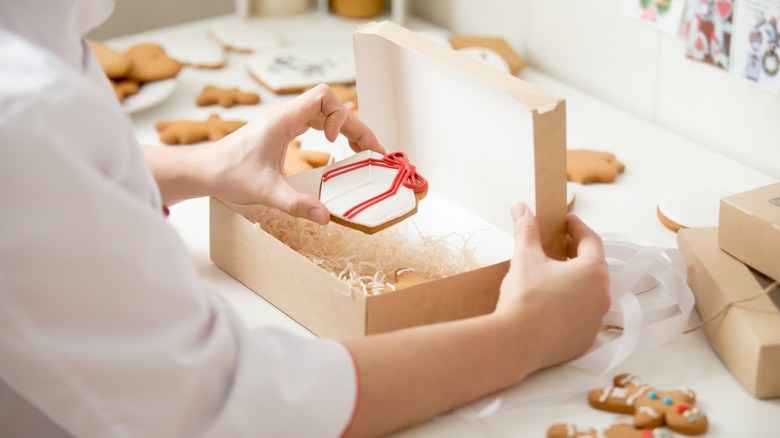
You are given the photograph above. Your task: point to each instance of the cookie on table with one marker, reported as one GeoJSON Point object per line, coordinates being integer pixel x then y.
{"type": "Point", "coordinates": [651, 407]}
{"type": "Point", "coordinates": [226, 97]}
{"type": "Point", "coordinates": [115, 64]}
{"type": "Point", "coordinates": [149, 62]}
{"type": "Point", "coordinates": [124, 87]}
{"type": "Point", "coordinates": [587, 166]}
{"type": "Point", "coordinates": [297, 160]}
{"type": "Point", "coordinates": [194, 48]}
{"type": "Point", "coordinates": [191, 131]}
{"type": "Point", "coordinates": [691, 207]}
{"type": "Point", "coordinates": [614, 431]}
{"type": "Point", "coordinates": [288, 71]}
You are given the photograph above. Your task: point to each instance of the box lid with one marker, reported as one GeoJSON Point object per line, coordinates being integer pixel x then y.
{"type": "Point", "coordinates": [483, 138]}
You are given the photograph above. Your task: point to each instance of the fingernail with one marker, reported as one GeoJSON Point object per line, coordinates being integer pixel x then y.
{"type": "Point", "coordinates": [518, 210]}
{"type": "Point", "coordinates": [316, 215]}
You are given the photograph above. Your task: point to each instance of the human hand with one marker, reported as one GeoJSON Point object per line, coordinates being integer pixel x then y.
{"type": "Point", "coordinates": [555, 308]}
{"type": "Point", "coordinates": [249, 164]}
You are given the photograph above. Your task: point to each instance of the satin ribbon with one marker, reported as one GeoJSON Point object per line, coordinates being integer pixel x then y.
{"type": "Point", "coordinates": [643, 328]}
{"type": "Point", "coordinates": [407, 176]}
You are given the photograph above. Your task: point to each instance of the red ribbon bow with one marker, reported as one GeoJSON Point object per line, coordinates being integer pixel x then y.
{"type": "Point", "coordinates": [407, 176]}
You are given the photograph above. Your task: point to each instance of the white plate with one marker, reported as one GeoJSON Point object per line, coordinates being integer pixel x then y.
{"type": "Point", "coordinates": [149, 95]}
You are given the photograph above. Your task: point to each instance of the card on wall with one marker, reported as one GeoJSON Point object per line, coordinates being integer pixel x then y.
{"type": "Point", "coordinates": [662, 14]}
{"type": "Point", "coordinates": [756, 55]}
{"type": "Point", "coordinates": [708, 27]}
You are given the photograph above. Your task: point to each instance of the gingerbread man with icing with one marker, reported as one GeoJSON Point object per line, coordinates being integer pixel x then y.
{"type": "Point", "coordinates": [651, 407]}
{"type": "Point", "coordinates": [614, 431]}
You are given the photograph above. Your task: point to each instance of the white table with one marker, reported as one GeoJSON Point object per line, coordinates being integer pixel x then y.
{"type": "Point", "coordinates": [657, 162]}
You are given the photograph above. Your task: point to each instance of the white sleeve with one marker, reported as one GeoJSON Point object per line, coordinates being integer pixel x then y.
{"type": "Point", "coordinates": [105, 327]}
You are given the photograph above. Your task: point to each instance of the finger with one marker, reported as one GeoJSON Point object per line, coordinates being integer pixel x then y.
{"type": "Point", "coordinates": [360, 136]}
{"type": "Point", "coordinates": [586, 241]}
{"type": "Point", "coordinates": [526, 231]}
{"type": "Point", "coordinates": [299, 204]}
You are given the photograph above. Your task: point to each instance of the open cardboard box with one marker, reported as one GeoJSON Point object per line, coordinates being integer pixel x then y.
{"type": "Point", "coordinates": [747, 335]}
{"type": "Point", "coordinates": [749, 228]}
{"type": "Point", "coordinates": [484, 139]}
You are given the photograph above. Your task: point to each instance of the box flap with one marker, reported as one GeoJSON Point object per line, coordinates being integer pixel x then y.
{"type": "Point", "coordinates": [484, 139]}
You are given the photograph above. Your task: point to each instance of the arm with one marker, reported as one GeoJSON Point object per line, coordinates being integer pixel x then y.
{"type": "Point", "coordinates": [247, 166]}
{"type": "Point", "coordinates": [548, 312]}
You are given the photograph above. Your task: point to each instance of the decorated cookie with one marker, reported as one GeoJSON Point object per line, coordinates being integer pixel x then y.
{"type": "Point", "coordinates": [113, 63]}
{"type": "Point", "coordinates": [226, 97]}
{"type": "Point", "coordinates": [690, 207]}
{"type": "Point", "coordinates": [297, 160]}
{"type": "Point", "coordinates": [193, 47]}
{"type": "Point", "coordinates": [650, 407]}
{"type": "Point", "coordinates": [370, 192]}
{"type": "Point", "coordinates": [286, 70]}
{"type": "Point", "coordinates": [148, 62]}
{"type": "Point", "coordinates": [586, 166]}
{"type": "Point", "coordinates": [614, 431]}
{"type": "Point", "coordinates": [124, 88]}
{"type": "Point", "coordinates": [190, 131]}
{"type": "Point", "coordinates": [498, 46]}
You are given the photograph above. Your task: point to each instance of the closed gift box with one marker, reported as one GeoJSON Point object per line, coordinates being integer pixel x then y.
{"type": "Point", "coordinates": [482, 138]}
{"type": "Point", "coordinates": [746, 335]}
{"type": "Point", "coordinates": [749, 228]}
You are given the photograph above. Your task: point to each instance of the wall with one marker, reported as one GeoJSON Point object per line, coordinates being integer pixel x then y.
{"type": "Point", "coordinates": [593, 46]}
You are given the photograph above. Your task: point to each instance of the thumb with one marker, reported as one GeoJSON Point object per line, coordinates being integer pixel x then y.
{"type": "Point", "coordinates": [300, 204]}
{"type": "Point", "coordinates": [526, 230]}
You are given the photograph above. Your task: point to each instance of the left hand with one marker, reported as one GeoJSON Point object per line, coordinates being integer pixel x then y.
{"type": "Point", "coordinates": [249, 163]}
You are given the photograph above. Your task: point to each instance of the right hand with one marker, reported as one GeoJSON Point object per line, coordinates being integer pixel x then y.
{"type": "Point", "coordinates": [554, 308]}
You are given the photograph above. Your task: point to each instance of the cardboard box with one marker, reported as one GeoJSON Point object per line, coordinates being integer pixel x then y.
{"type": "Point", "coordinates": [482, 138]}
{"type": "Point", "coordinates": [749, 228]}
{"type": "Point", "coordinates": [747, 335]}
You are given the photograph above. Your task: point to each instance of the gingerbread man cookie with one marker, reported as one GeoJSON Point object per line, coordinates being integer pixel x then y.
{"type": "Point", "coordinates": [124, 88]}
{"type": "Point", "coordinates": [226, 97]}
{"type": "Point", "coordinates": [402, 278]}
{"type": "Point", "coordinates": [614, 431]}
{"type": "Point", "coordinates": [586, 166]}
{"type": "Point", "coordinates": [651, 407]}
{"type": "Point", "coordinates": [189, 131]}
{"type": "Point", "coordinates": [297, 160]}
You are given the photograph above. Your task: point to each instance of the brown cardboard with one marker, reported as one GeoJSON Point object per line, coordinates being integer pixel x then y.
{"type": "Point", "coordinates": [747, 335]}
{"type": "Point", "coordinates": [749, 228]}
{"type": "Point", "coordinates": [482, 169]}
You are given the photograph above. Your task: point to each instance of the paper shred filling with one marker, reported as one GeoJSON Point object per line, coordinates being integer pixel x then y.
{"type": "Point", "coordinates": [369, 262]}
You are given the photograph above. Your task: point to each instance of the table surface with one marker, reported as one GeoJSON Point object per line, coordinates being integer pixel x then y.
{"type": "Point", "coordinates": [657, 162]}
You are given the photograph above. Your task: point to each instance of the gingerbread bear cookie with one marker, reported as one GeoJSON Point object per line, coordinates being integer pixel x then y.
{"type": "Point", "coordinates": [651, 407]}
{"type": "Point", "coordinates": [189, 131]}
{"type": "Point", "coordinates": [226, 97]}
{"type": "Point", "coordinates": [614, 431]}
{"type": "Point", "coordinates": [297, 160]}
{"type": "Point", "coordinates": [148, 62]}
{"type": "Point", "coordinates": [586, 166]}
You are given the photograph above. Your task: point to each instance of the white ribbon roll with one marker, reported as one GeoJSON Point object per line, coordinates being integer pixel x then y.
{"type": "Point", "coordinates": [643, 327]}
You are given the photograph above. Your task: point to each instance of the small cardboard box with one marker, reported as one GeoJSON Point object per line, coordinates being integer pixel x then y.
{"type": "Point", "coordinates": [749, 228]}
{"type": "Point", "coordinates": [482, 138]}
{"type": "Point", "coordinates": [747, 335]}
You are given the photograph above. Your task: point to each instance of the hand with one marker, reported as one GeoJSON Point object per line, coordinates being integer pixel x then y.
{"type": "Point", "coordinates": [250, 162]}
{"type": "Point", "coordinates": [555, 307]}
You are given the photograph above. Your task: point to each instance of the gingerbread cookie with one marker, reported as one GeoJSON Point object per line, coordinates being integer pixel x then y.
{"type": "Point", "coordinates": [297, 160]}
{"type": "Point", "coordinates": [614, 431]}
{"type": "Point", "coordinates": [124, 88]}
{"type": "Point", "coordinates": [691, 207]}
{"type": "Point", "coordinates": [189, 131]}
{"type": "Point", "coordinates": [148, 62]}
{"type": "Point", "coordinates": [586, 166]}
{"type": "Point", "coordinates": [370, 192]}
{"type": "Point", "coordinates": [226, 97]}
{"type": "Point", "coordinates": [113, 63]}
{"type": "Point", "coordinates": [650, 407]}
{"type": "Point", "coordinates": [402, 278]}
{"type": "Point", "coordinates": [288, 70]}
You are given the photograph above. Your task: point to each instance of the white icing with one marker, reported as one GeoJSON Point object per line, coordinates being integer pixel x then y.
{"type": "Point", "coordinates": [605, 394]}
{"type": "Point", "coordinates": [687, 392]}
{"type": "Point", "coordinates": [193, 47]}
{"type": "Point", "coordinates": [633, 397]}
{"type": "Point", "coordinates": [245, 35]}
{"type": "Point", "coordinates": [289, 69]}
{"type": "Point", "coordinates": [619, 392]}
{"type": "Point", "coordinates": [341, 193]}
{"type": "Point", "coordinates": [649, 411]}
